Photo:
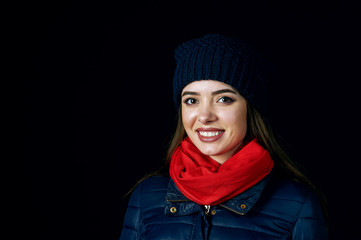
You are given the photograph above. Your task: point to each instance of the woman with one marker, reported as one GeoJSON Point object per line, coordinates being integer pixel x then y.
{"type": "Point", "coordinates": [225, 176]}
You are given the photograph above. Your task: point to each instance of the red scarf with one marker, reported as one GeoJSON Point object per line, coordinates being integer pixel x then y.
{"type": "Point", "coordinates": [206, 182]}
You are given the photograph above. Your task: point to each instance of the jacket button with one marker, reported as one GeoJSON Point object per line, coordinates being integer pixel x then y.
{"type": "Point", "coordinates": [243, 206]}
{"type": "Point", "coordinates": [173, 209]}
{"type": "Point", "coordinates": [213, 212]}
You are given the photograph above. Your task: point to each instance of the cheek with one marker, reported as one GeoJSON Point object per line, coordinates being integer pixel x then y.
{"type": "Point", "coordinates": [188, 119]}
{"type": "Point", "coordinates": [236, 121]}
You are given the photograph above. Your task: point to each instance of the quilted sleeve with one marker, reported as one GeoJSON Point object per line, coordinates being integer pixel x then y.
{"type": "Point", "coordinates": [132, 219]}
{"type": "Point", "coordinates": [310, 224]}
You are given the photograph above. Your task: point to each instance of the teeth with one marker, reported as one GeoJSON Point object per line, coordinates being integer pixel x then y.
{"type": "Point", "coordinates": [209, 134]}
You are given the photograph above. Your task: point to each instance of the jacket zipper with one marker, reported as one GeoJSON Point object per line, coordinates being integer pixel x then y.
{"type": "Point", "coordinates": [207, 207]}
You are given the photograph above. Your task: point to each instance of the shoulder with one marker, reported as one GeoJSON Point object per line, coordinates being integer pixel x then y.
{"type": "Point", "coordinates": [153, 184]}
{"type": "Point", "coordinates": [294, 206]}
{"type": "Point", "coordinates": [146, 197]}
{"type": "Point", "coordinates": [150, 191]}
{"type": "Point", "coordinates": [285, 188]}
{"type": "Point", "coordinates": [290, 200]}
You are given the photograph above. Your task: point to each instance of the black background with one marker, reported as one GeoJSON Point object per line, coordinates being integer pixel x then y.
{"type": "Point", "coordinates": [98, 105]}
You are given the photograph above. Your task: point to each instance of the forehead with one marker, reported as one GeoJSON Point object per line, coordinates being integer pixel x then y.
{"type": "Point", "coordinates": [206, 86]}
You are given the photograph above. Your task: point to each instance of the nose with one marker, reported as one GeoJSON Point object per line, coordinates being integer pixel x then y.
{"type": "Point", "coordinates": [206, 114]}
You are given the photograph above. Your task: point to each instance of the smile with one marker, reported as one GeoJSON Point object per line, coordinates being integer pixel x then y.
{"type": "Point", "coordinates": [210, 134]}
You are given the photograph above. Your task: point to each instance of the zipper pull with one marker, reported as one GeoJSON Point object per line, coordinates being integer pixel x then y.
{"type": "Point", "coordinates": [207, 208]}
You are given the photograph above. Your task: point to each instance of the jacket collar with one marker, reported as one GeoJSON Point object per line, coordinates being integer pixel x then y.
{"type": "Point", "coordinates": [178, 204]}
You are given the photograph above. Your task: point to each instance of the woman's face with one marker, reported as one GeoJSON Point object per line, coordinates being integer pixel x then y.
{"type": "Point", "coordinates": [214, 117]}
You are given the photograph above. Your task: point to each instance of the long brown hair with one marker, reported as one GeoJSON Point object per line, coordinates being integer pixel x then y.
{"type": "Point", "coordinates": [257, 127]}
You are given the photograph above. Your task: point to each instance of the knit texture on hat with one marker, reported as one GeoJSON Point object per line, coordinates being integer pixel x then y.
{"type": "Point", "coordinates": [225, 59]}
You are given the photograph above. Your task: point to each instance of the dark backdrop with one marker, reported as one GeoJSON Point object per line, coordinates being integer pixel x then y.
{"type": "Point", "coordinates": [99, 111]}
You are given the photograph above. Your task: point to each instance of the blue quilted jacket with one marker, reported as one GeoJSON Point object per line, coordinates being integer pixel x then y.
{"type": "Point", "coordinates": [272, 209]}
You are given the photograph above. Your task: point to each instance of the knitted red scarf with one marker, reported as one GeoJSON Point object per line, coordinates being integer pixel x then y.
{"type": "Point", "coordinates": [206, 182]}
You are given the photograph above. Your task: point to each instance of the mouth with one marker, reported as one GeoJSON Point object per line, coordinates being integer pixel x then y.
{"type": "Point", "coordinates": [209, 134]}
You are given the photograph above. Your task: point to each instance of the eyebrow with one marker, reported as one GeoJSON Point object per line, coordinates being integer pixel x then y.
{"type": "Point", "coordinates": [213, 93]}
{"type": "Point", "coordinates": [224, 91]}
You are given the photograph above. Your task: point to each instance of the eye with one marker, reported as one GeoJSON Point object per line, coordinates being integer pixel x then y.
{"type": "Point", "coordinates": [225, 100]}
{"type": "Point", "coordinates": [190, 101]}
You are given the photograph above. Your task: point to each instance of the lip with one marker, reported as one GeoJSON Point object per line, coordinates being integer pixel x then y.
{"type": "Point", "coordinates": [218, 134]}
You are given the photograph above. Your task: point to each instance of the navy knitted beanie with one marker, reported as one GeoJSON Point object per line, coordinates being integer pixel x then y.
{"type": "Point", "coordinates": [225, 59]}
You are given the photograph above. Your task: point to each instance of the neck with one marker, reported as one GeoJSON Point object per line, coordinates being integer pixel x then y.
{"type": "Point", "coordinates": [222, 158]}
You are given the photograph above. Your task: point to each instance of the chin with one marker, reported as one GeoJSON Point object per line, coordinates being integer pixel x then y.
{"type": "Point", "coordinates": [209, 150]}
